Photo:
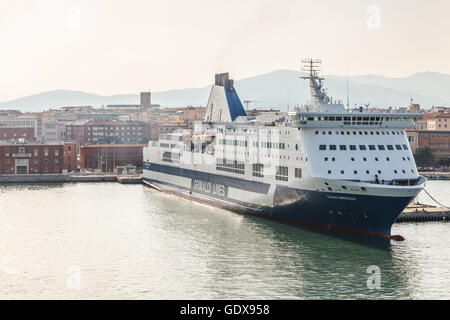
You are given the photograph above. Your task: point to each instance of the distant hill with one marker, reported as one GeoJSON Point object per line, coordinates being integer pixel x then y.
{"type": "Point", "coordinates": [271, 90]}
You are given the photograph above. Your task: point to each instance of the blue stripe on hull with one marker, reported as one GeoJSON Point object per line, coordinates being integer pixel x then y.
{"type": "Point", "coordinates": [348, 212]}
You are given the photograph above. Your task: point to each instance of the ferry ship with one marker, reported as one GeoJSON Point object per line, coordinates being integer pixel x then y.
{"type": "Point", "coordinates": [320, 166]}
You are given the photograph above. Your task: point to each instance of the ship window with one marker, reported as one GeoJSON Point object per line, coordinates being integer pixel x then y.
{"type": "Point", "coordinates": [364, 159]}
{"type": "Point", "coordinates": [382, 132]}
{"type": "Point", "coordinates": [330, 133]}
{"type": "Point", "coordinates": [326, 159]}
{"type": "Point", "coordinates": [348, 133]}
{"type": "Point", "coordinates": [395, 171]}
{"type": "Point", "coordinates": [362, 147]}
{"type": "Point", "coordinates": [403, 171]}
{"type": "Point", "coordinates": [367, 171]}
{"type": "Point", "coordinates": [365, 132]}
{"type": "Point", "coordinates": [387, 159]}
{"type": "Point", "coordinates": [232, 166]}
{"type": "Point", "coordinates": [390, 147]}
{"type": "Point", "coordinates": [412, 170]}
{"type": "Point", "coordinates": [342, 171]}
{"type": "Point", "coordinates": [353, 147]}
{"type": "Point", "coordinates": [409, 159]}
{"type": "Point", "coordinates": [282, 173]}
{"type": "Point", "coordinates": [317, 132]}
{"type": "Point", "coordinates": [353, 159]}
{"type": "Point", "coordinates": [323, 132]}
{"type": "Point", "coordinates": [379, 171]}
{"type": "Point", "coordinates": [360, 133]}
{"type": "Point", "coordinates": [344, 188]}
{"type": "Point", "coordinates": [298, 173]}
{"type": "Point", "coordinates": [329, 189]}
{"type": "Point", "coordinates": [333, 159]}
{"type": "Point", "coordinates": [405, 147]}
{"type": "Point", "coordinates": [296, 147]}
{"type": "Point", "coordinates": [258, 170]}
{"type": "Point", "coordinates": [404, 159]}
{"type": "Point", "coordinates": [372, 147]}
{"type": "Point", "coordinates": [355, 171]}
{"type": "Point", "coordinates": [322, 147]}
{"type": "Point", "coordinates": [342, 133]}
{"type": "Point", "coordinates": [398, 147]}
{"type": "Point", "coordinates": [376, 159]}
{"type": "Point", "coordinates": [332, 147]}
{"type": "Point", "coordinates": [371, 133]}
{"type": "Point", "coordinates": [381, 147]}
{"type": "Point", "coordinates": [393, 132]}
{"type": "Point", "coordinates": [343, 147]}
{"type": "Point", "coordinates": [354, 133]}
{"type": "Point", "coordinates": [329, 171]}
{"type": "Point", "coordinates": [378, 133]}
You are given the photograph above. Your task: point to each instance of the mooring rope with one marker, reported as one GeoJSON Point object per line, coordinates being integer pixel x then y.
{"type": "Point", "coordinates": [435, 200]}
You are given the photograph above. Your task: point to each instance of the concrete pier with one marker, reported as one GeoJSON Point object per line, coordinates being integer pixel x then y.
{"type": "Point", "coordinates": [71, 178]}
{"type": "Point", "coordinates": [423, 213]}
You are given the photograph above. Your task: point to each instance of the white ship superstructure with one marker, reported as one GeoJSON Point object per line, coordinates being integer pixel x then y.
{"type": "Point", "coordinates": [322, 166]}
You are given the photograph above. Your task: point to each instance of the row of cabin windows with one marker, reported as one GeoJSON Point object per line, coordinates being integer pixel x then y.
{"type": "Point", "coordinates": [232, 166]}
{"type": "Point", "coordinates": [239, 143]}
{"type": "Point", "coordinates": [368, 171]}
{"type": "Point", "coordinates": [343, 147]}
{"type": "Point", "coordinates": [272, 145]}
{"type": "Point", "coordinates": [365, 159]}
{"type": "Point", "coordinates": [361, 133]}
{"type": "Point", "coordinates": [282, 173]}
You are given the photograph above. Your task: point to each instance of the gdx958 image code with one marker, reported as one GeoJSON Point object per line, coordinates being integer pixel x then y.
{"type": "Point", "coordinates": [227, 310]}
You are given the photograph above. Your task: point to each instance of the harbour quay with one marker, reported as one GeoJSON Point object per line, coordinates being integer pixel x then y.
{"type": "Point", "coordinates": [70, 178]}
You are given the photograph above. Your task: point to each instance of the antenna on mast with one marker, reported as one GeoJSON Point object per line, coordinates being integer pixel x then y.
{"type": "Point", "coordinates": [348, 99]}
{"type": "Point", "coordinates": [318, 94]}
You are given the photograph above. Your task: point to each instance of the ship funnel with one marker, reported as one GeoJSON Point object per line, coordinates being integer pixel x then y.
{"type": "Point", "coordinates": [224, 104]}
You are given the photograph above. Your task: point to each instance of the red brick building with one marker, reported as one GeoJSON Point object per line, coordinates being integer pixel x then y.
{"type": "Point", "coordinates": [31, 158]}
{"type": "Point", "coordinates": [125, 132]}
{"type": "Point", "coordinates": [108, 157]}
{"type": "Point", "coordinates": [437, 141]}
{"type": "Point", "coordinates": [16, 133]}
{"type": "Point", "coordinates": [70, 156]}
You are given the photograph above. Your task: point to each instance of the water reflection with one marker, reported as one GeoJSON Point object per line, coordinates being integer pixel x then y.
{"type": "Point", "coordinates": [245, 254]}
{"type": "Point", "coordinates": [132, 242]}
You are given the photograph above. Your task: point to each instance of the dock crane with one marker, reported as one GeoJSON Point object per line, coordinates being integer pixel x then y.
{"type": "Point", "coordinates": [247, 103]}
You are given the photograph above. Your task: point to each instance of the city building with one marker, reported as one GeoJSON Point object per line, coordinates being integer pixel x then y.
{"type": "Point", "coordinates": [113, 131]}
{"type": "Point", "coordinates": [70, 156]}
{"type": "Point", "coordinates": [111, 157]}
{"type": "Point", "coordinates": [31, 158]}
{"type": "Point", "coordinates": [440, 122]}
{"type": "Point", "coordinates": [158, 129]}
{"type": "Point", "coordinates": [18, 127]}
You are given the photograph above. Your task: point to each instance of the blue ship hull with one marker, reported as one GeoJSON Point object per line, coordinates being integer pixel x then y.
{"type": "Point", "coordinates": [370, 215]}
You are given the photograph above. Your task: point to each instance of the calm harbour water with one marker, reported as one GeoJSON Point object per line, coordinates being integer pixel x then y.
{"type": "Point", "coordinates": [113, 241]}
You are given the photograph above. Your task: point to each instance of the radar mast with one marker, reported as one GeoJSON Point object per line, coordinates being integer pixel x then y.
{"type": "Point", "coordinates": [318, 94]}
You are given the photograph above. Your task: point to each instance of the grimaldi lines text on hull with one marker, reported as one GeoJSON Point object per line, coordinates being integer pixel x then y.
{"type": "Point", "coordinates": [320, 166]}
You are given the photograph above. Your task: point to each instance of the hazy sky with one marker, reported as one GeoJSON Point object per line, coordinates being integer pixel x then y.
{"type": "Point", "coordinates": [114, 47]}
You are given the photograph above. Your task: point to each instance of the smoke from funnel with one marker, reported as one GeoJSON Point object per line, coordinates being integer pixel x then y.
{"type": "Point", "coordinates": [264, 18]}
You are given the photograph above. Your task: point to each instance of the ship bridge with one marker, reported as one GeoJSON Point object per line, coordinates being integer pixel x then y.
{"type": "Point", "coordinates": [356, 120]}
